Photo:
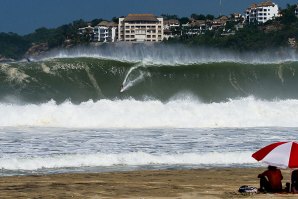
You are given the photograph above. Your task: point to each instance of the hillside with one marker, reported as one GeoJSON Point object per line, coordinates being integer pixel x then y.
{"type": "Point", "coordinates": [281, 32]}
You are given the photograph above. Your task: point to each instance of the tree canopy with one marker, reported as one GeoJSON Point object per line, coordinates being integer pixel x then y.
{"type": "Point", "coordinates": [274, 33]}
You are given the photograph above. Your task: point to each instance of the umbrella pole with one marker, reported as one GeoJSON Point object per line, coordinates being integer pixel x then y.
{"type": "Point", "coordinates": [291, 181]}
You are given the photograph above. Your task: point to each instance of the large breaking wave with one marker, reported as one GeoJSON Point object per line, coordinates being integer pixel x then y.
{"type": "Point", "coordinates": [149, 72]}
{"type": "Point", "coordinates": [149, 86]}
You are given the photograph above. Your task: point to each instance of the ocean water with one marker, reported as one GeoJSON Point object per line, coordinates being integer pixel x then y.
{"type": "Point", "coordinates": [132, 107]}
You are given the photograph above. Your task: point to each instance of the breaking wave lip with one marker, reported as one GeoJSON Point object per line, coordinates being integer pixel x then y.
{"type": "Point", "coordinates": [172, 55]}
{"type": "Point", "coordinates": [127, 159]}
{"type": "Point", "coordinates": [133, 114]}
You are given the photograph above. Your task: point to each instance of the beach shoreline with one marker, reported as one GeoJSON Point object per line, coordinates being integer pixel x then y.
{"type": "Point", "coordinates": [194, 183]}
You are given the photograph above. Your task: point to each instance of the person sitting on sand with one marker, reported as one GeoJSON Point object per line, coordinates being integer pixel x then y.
{"type": "Point", "coordinates": [294, 181]}
{"type": "Point", "coordinates": [270, 180]}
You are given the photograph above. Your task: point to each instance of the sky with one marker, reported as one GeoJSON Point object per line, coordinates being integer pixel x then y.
{"type": "Point", "coordinates": [24, 16]}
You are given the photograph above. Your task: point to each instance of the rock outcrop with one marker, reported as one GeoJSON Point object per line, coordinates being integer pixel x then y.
{"type": "Point", "coordinates": [37, 49]}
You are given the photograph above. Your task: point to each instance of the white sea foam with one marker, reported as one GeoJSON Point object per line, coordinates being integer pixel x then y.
{"type": "Point", "coordinates": [14, 74]}
{"type": "Point", "coordinates": [128, 159]}
{"type": "Point", "coordinates": [177, 113]}
{"type": "Point", "coordinates": [173, 54]}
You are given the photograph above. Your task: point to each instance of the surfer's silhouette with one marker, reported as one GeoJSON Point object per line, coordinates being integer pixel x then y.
{"type": "Point", "coordinates": [28, 60]}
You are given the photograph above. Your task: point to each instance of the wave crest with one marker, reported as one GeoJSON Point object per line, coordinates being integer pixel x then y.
{"type": "Point", "coordinates": [161, 54]}
{"type": "Point", "coordinates": [128, 159]}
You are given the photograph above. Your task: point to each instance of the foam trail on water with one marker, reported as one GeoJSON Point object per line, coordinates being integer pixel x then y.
{"type": "Point", "coordinates": [94, 82]}
{"type": "Point", "coordinates": [129, 159]}
{"type": "Point", "coordinates": [130, 82]}
{"type": "Point", "coordinates": [126, 85]}
{"type": "Point", "coordinates": [177, 113]}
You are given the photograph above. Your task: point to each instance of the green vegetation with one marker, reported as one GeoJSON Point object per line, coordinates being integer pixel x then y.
{"type": "Point", "coordinates": [251, 37]}
{"type": "Point", "coordinates": [15, 46]}
{"type": "Point", "coordinates": [57, 36]}
{"type": "Point", "coordinates": [273, 34]}
{"type": "Point", "coordinates": [12, 45]}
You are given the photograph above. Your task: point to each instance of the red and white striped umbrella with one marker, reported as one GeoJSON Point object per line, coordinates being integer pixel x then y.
{"type": "Point", "coordinates": [280, 154]}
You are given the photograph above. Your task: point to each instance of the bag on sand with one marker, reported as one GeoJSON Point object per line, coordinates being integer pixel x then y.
{"type": "Point", "coordinates": [248, 189]}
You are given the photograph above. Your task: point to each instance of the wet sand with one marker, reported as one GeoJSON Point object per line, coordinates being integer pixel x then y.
{"type": "Point", "coordinates": [188, 184]}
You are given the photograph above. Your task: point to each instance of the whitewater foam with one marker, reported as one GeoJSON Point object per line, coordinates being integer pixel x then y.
{"type": "Point", "coordinates": [173, 54]}
{"type": "Point", "coordinates": [130, 113]}
{"type": "Point", "coordinates": [128, 159]}
{"type": "Point", "coordinates": [14, 74]}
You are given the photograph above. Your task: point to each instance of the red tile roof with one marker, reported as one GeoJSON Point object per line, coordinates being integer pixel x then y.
{"type": "Point", "coordinates": [141, 17]}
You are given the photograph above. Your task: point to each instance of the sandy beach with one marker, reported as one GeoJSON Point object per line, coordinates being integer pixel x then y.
{"type": "Point", "coordinates": [188, 184]}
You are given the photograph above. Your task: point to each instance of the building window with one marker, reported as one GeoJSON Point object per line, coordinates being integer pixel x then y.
{"type": "Point", "coordinates": [140, 32]}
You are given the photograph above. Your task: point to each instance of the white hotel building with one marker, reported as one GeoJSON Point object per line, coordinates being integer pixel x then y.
{"type": "Point", "coordinates": [140, 28]}
{"type": "Point", "coordinates": [262, 12]}
{"type": "Point", "coordinates": [105, 32]}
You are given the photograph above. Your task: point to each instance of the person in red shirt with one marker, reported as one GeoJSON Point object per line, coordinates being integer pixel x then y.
{"type": "Point", "coordinates": [270, 180]}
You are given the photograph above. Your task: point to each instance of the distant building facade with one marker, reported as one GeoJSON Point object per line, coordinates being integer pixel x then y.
{"type": "Point", "coordinates": [140, 28]}
{"type": "Point", "coordinates": [236, 17]}
{"type": "Point", "coordinates": [171, 28]}
{"type": "Point", "coordinates": [171, 23]}
{"type": "Point", "coordinates": [105, 32]}
{"type": "Point", "coordinates": [220, 22]}
{"type": "Point", "coordinates": [197, 27]}
{"type": "Point", "coordinates": [262, 12]}
{"type": "Point", "coordinates": [89, 30]}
